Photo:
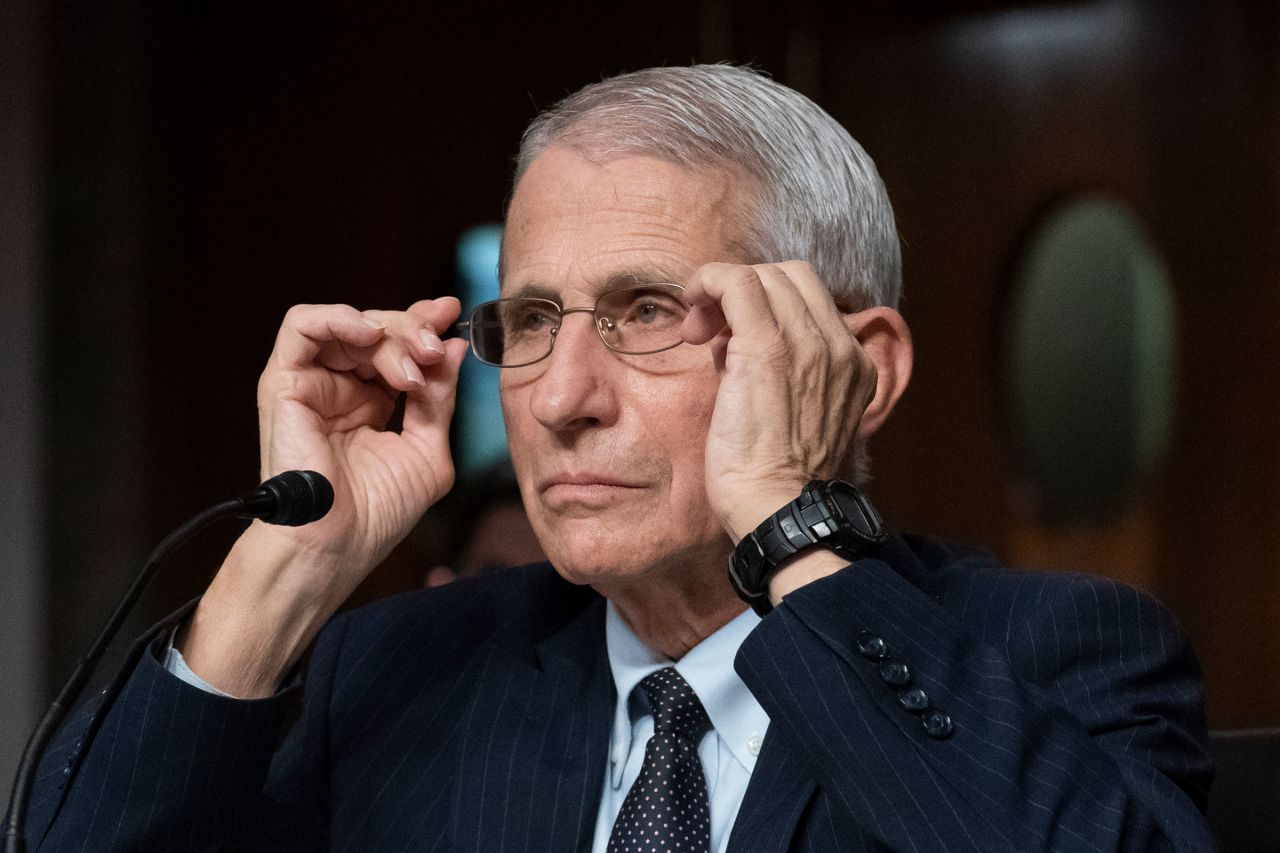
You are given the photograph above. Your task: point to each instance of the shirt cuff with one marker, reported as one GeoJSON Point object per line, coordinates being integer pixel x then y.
{"type": "Point", "coordinates": [176, 664]}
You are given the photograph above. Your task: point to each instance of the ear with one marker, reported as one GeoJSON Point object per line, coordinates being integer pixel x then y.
{"type": "Point", "coordinates": [885, 337]}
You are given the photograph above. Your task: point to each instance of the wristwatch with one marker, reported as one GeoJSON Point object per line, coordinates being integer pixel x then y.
{"type": "Point", "coordinates": [829, 514]}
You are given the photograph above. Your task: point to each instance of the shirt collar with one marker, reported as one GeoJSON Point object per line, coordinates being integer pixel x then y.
{"type": "Point", "coordinates": [735, 714]}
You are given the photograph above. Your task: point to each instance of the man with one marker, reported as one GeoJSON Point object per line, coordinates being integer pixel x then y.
{"type": "Point", "coordinates": [699, 273]}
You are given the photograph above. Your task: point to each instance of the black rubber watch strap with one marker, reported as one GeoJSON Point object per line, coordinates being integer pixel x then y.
{"type": "Point", "coordinates": [816, 518]}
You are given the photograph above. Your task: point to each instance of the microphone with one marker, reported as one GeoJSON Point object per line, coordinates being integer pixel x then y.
{"type": "Point", "coordinates": [293, 498]}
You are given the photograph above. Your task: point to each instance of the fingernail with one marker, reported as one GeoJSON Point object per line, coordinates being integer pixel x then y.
{"type": "Point", "coordinates": [431, 342]}
{"type": "Point", "coordinates": [372, 323]}
{"type": "Point", "coordinates": [411, 371]}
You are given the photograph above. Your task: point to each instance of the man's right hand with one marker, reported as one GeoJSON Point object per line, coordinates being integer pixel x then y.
{"type": "Point", "coordinates": [324, 400]}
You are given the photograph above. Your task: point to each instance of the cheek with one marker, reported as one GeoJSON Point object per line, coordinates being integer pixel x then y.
{"type": "Point", "coordinates": [675, 414]}
{"type": "Point", "coordinates": [515, 413]}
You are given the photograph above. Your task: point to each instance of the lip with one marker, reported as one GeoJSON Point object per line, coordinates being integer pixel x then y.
{"type": "Point", "coordinates": [576, 481]}
{"type": "Point", "coordinates": [585, 494]}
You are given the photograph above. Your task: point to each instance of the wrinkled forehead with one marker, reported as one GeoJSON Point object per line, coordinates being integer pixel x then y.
{"type": "Point", "coordinates": [593, 287]}
{"type": "Point", "coordinates": [588, 225]}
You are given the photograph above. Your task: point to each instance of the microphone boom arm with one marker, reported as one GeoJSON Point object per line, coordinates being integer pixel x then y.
{"type": "Point", "coordinates": [267, 502]}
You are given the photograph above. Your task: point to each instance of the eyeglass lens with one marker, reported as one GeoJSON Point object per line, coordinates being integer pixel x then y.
{"type": "Point", "coordinates": [632, 320]}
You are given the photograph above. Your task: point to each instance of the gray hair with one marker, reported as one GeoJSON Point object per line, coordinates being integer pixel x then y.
{"type": "Point", "coordinates": [818, 196]}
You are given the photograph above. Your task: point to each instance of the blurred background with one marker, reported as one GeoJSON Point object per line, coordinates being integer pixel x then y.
{"type": "Point", "coordinates": [1087, 194]}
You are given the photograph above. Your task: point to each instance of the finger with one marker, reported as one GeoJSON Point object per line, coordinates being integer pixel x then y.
{"type": "Point", "coordinates": [428, 410]}
{"type": "Point", "coordinates": [397, 365]}
{"type": "Point", "coordinates": [438, 314]}
{"type": "Point", "coordinates": [416, 335]}
{"type": "Point", "coordinates": [308, 328]}
{"type": "Point", "coordinates": [822, 321]}
{"type": "Point", "coordinates": [394, 360]}
{"type": "Point", "coordinates": [398, 358]}
{"type": "Point", "coordinates": [366, 372]}
{"type": "Point", "coordinates": [788, 303]}
{"type": "Point", "coordinates": [703, 323]}
{"type": "Point", "coordinates": [733, 292]}
{"type": "Point", "coordinates": [816, 294]}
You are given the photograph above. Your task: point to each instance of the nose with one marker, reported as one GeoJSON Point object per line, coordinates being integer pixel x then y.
{"type": "Point", "coordinates": [577, 386]}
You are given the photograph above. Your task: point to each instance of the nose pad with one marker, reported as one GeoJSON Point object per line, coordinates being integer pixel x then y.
{"type": "Point", "coordinates": [608, 331]}
{"type": "Point", "coordinates": [555, 330]}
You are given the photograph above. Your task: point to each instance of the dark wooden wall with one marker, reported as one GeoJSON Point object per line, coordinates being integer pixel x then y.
{"type": "Point", "coordinates": [977, 122]}
{"type": "Point", "coordinates": [207, 167]}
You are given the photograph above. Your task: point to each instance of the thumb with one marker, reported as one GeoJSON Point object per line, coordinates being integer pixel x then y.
{"type": "Point", "coordinates": [428, 410]}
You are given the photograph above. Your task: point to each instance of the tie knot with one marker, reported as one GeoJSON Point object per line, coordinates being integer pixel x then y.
{"type": "Point", "coordinates": [676, 708]}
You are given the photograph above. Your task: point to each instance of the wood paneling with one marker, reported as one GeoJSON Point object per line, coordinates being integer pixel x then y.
{"type": "Point", "coordinates": [978, 121]}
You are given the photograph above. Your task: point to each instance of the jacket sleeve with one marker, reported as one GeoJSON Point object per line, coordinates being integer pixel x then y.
{"type": "Point", "coordinates": [1068, 717]}
{"type": "Point", "coordinates": [155, 763]}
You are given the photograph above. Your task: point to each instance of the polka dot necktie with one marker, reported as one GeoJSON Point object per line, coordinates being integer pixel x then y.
{"type": "Point", "coordinates": [667, 808]}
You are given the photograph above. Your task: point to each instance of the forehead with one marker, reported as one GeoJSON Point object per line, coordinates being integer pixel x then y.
{"type": "Point", "coordinates": [583, 225]}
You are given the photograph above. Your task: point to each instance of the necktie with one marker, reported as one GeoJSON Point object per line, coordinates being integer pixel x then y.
{"type": "Point", "coordinates": [667, 808]}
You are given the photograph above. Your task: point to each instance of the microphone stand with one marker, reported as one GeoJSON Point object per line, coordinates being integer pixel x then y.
{"type": "Point", "coordinates": [266, 502]}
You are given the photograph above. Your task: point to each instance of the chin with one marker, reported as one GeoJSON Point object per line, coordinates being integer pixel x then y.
{"type": "Point", "coordinates": [595, 567]}
{"type": "Point", "coordinates": [608, 555]}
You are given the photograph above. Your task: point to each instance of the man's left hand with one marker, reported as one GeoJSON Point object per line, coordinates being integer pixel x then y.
{"type": "Point", "coordinates": [796, 383]}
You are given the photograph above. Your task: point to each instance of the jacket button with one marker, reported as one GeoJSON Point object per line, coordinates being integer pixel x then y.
{"type": "Point", "coordinates": [872, 647]}
{"type": "Point", "coordinates": [937, 725]}
{"type": "Point", "coordinates": [895, 673]}
{"type": "Point", "coordinates": [913, 699]}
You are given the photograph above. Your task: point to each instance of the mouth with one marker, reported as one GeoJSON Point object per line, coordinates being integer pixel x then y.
{"type": "Point", "coordinates": [564, 490]}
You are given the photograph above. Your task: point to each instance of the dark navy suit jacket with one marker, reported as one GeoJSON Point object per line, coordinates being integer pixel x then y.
{"type": "Point", "coordinates": [476, 717]}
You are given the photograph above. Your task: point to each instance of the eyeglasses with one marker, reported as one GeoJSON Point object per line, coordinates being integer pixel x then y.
{"type": "Point", "coordinates": [636, 320]}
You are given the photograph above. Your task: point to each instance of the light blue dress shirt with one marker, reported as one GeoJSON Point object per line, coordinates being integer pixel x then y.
{"type": "Point", "coordinates": [728, 752]}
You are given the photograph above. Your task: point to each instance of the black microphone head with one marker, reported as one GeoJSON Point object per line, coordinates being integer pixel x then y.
{"type": "Point", "coordinates": [301, 497]}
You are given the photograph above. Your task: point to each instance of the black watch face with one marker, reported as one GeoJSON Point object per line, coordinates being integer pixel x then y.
{"type": "Point", "coordinates": [855, 511]}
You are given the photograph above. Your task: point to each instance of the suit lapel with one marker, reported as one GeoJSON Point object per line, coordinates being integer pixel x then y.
{"type": "Point", "coordinates": [777, 795]}
{"type": "Point", "coordinates": [534, 745]}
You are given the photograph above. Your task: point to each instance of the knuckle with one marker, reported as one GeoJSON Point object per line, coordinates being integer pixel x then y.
{"type": "Point", "coordinates": [715, 272]}
{"type": "Point", "coordinates": [387, 317]}
{"type": "Point", "coordinates": [272, 382]}
{"type": "Point", "coordinates": [716, 268]}
{"type": "Point", "coordinates": [296, 313]}
{"type": "Point", "coordinates": [770, 273]}
{"type": "Point", "coordinates": [427, 307]}
{"type": "Point", "coordinates": [798, 267]}
{"type": "Point", "coordinates": [748, 277]}
{"type": "Point", "coordinates": [741, 275]}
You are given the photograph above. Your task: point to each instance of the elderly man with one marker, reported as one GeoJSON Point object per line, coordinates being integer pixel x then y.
{"type": "Point", "coordinates": [696, 338]}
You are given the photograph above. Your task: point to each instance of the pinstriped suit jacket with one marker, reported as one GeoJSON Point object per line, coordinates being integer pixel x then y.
{"type": "Point", "coordinates": [475, 717]}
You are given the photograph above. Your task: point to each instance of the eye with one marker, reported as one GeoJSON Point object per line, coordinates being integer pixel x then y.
{"type": "Point", "coordinates": [535, 321]}
{"type": "Point", "coordinates": [648, 312]}
{"type": "Point", "coordinates": [522, 317]}
{"type": "Point", "coordinates": [651, 307]}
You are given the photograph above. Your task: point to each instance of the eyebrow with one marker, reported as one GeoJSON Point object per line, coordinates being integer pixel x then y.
{"type": "Point", "coordinates": [655, 274]}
